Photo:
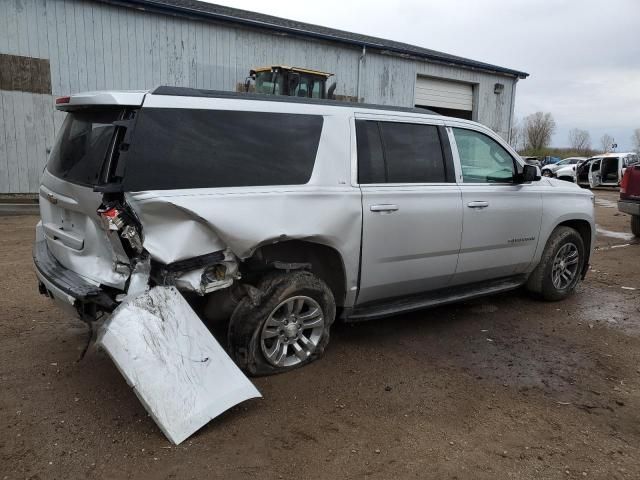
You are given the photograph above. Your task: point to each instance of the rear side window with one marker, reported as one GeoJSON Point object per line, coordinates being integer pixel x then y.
{"type": "Point", "coordinates": [392, 152]}
{"type": "Point", "coordinates": [371, 168]}
{"type": "Point", "coordinates": [182, 148]}
{"type": "Point", "coordinates": [82, 145]}
{"type": "Point", "coordinates": [412, 152]}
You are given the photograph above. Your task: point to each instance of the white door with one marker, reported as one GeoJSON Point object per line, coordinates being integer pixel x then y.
{"type": "Point", "coordinates": [501, 218]}
{"type": "Point", "coordinates": [595, 177]}
{"type": "Point", "coordinates": [434, 92]}
{"type": "Point", "coordinates": [411, 209]}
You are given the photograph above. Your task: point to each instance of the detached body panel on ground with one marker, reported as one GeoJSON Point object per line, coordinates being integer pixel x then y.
{"type": "Point", "coordinates": [277, 215]}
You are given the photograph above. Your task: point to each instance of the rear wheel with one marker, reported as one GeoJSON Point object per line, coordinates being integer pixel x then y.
{"type": "Point", "coordinates": [560, 268]}
{"type": "Point", "coordinates": [635, 225]}
{"type": "Point", "coordinates": [284, 327]}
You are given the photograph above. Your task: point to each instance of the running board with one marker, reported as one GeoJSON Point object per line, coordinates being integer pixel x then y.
{"type": "Point", "coordinates": [434, 299]}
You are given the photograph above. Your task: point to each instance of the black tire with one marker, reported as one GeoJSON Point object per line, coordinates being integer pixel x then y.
{"type": "Point", "coordinates": [540, 281]}
{"type": "Point", "coordinates": [249, 318]}
{"type": "Point", "coordinates": [635, 225]}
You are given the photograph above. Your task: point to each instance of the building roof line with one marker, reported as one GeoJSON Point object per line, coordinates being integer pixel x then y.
{"type": "Point", "coordinates": [243, 17]}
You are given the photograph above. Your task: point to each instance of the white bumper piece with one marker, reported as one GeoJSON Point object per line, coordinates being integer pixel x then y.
{"type": "Point", "coordinates": [178, 370]}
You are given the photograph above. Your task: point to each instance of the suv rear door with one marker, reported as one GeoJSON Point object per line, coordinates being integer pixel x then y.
{"type": "Point", "coordinates": [68, 203]}
{"type": "Point", "coordinates": [501, 218]}
{"type": "Point", "coordinates": [412, 215]}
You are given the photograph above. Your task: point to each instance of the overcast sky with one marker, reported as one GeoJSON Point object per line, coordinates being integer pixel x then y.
{"type": "Point", "coordinates": [583, 56]}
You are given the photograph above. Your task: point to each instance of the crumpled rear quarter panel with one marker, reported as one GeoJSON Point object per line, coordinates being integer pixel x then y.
{"type": "Point", "coordinates": [180, 224]}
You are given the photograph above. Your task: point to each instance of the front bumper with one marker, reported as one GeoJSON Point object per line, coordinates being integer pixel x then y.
{"type": "Point", "coordinates": [66, 286]}
{"type": "Point", "coordinates": [629, 206]}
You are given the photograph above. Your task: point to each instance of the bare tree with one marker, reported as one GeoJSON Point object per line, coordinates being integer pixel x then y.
{"type": "Point", "coordinates": [635, 139]}
{"type": "Point", "coordinates": [605, 142]}
{"type": "Point", "coordinates": [580, 140]}
{"type": "Point", "coordinates": [538, 129]}
{"type": "Point", "coordinates": [516, 136]}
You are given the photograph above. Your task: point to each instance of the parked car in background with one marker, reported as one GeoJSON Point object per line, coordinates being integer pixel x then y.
{"type": "Point", "coordinates": [630, 196]}
{"type": "Point", "coordinates": [568, 172]}
{"type": "Point", "coordinates": [532, 161]}
{"type": "Point", "coordinates": [548, 160]}
{"type": "Point", "coordinates": [605, 170]}
{"type": "Point", "coordinates": [551, 169]}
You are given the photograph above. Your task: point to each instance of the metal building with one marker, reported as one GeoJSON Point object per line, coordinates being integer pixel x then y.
{"type": "Point", "coordinates": [51, 48]}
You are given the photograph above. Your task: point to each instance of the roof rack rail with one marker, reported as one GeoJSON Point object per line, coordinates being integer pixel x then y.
{"type": "Point", "coordinates": [197, 92]}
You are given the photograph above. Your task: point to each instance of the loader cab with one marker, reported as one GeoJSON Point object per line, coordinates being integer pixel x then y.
{"type": "Point", "coordinates": [290, 81]}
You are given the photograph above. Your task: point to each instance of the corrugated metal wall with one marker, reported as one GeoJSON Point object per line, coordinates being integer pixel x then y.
{"type": "Point", "coordinates": [93, 46]}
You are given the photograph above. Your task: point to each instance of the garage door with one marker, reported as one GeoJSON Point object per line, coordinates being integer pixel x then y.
{"type": "Point", "coordinates": [444, 96]}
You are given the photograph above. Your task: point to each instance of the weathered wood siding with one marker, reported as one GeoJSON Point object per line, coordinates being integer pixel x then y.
{"type": "Point", "coordinates": [93, 46]}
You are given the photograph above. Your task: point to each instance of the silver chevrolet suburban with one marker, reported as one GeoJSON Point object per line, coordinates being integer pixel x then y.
{"type": "Point", "coordinates": [278, 215]}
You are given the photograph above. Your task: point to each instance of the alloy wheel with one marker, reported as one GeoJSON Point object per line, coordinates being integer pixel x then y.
{"type": "Point", "coordinates": [292, 332]}
{"type": "Point", "coordinates": [565, 266]}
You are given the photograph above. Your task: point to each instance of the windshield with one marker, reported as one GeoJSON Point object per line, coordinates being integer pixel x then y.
{"type": "Point", "coordinates": [268, 82]}
{"type": "Point", "coordinates": [82, 145]}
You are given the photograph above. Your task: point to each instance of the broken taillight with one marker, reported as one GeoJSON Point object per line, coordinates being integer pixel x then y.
{"type": "Point", "coordinates": [111, 218]}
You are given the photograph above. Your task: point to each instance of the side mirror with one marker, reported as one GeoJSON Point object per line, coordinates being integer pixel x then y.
{"type": "Point", "coordinates": [530, 173]}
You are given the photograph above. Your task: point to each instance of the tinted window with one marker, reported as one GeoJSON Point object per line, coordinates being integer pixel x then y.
{"type": "Point", "coordinates": [370, 158]}
{"type": "Point", "coordinates": [399, 153]}
{"type": "Point", "coordinates": [181, 148]}
{"type": "Point", "coordinates": [412, 153]}
{"type": "Point", "coordinates": [81, 146]}
{"type": "Point", "coordinates": [483, 160]}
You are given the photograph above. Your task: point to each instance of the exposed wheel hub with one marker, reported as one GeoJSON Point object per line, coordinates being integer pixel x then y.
{"type": "Point", "coordinates": [291, 330]}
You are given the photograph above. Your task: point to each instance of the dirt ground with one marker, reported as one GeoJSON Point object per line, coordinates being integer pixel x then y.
{"type": "Point", "coordinates": [502, 387]}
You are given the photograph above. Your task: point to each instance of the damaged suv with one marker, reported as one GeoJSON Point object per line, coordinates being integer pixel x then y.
{"type": "Point", "coordinates": [280, 215]}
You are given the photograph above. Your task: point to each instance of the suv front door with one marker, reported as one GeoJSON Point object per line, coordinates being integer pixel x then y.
{"type": "Point", "coordinates": [501, 218]}
{"type": "Point", "coordinates": [411, 208]}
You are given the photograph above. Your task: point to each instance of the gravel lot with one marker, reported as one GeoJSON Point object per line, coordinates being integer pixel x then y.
{"type": "Point", "coordinates": [502, 387]}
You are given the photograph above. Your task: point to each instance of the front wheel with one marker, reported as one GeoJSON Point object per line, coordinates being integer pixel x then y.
{"type": "Point", "coordinates": [285, 326]}
{"type": "Point", "coordinates": [561, 265]}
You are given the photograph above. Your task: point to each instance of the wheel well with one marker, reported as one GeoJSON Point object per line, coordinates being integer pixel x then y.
{"type": "Point", "coordinates": [584, 229]}
{"type": "Point", "coordinates": [326, 262]}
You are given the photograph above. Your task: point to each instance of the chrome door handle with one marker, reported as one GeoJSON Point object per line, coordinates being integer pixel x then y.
{"type": "Point", "coordinates": [478, 204]}
{"type": "Point", "coordinates": [386, 207]}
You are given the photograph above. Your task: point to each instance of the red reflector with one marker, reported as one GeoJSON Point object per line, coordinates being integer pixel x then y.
{"type": "Point", "coordinates": [61, 100]}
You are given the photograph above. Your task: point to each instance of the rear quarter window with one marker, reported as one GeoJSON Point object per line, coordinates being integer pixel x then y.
{"type": "Point", "coordinates": [182, 148]}
{"type": "Point", "coordinates": [82, 145]}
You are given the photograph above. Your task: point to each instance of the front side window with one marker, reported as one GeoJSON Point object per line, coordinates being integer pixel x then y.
{"type": "Point", "coordinates": [482, 159]}
{"type": "Point", "coordinates": [393, 152]}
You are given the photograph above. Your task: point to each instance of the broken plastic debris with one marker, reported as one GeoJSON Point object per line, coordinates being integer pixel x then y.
{"type": "Point", "coordinates": [178, 370]}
